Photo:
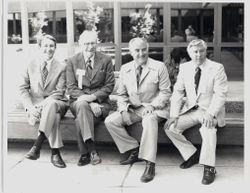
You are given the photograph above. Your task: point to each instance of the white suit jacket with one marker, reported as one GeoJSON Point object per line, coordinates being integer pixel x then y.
{"type": "Point", "coordinates": [153, 89]}
{"type": "Point", "coordinates": [32, 90]}
{"type": "Point", "coordinates": [212, 91]}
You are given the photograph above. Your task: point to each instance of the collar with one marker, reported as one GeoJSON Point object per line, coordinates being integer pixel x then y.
{"type": "Point", "coordinates": [48, 64]}
{"type": "Point", "coordinates": [86, 58]}
{"type": "Point", "coordinates": [202, 66]}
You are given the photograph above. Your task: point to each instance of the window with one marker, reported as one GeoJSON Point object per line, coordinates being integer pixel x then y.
{"type": "Point", "coordinates": [232, 22]}
{"type": "Point", "coordinates": [14, 23]}
{"type": "Point", "coordinates": [53, 14]}
{"type": "Point", "coordinates": [190, 21]}
{"type": "Point", "coordinates": [232, 59]}
{"type": "Point", "coordinates": [105, 26]}
{"type": "Point", "coordinates": [128, 21]}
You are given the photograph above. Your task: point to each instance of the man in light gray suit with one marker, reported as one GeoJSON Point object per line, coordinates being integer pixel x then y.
{"type": "Point", "coordinates": [144, 93]}
{"type": "Point", "coordinates": [204, 84]}
{"type": "Point", "coordinates": [43, 95]}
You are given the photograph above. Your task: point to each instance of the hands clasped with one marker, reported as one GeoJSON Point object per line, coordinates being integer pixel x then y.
{"type": "Point", "coordinates": [96, 109]}
{"type": "Point", "coordinates": [86, 97]}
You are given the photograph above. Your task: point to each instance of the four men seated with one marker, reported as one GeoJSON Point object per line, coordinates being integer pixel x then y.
{"type": "Point", "coordinates": [144, 96]}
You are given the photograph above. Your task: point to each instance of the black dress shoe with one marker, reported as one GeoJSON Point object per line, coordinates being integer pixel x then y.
{"type": "Point", "coordinates": [132, 158]}
{"type": "Point", "coordinates": [33, 154]}
{"type": "Point", "coordinates": [84, 160]}
{"type": "Point", "coordinates": [194, 159]}
{"type": "Point", "coordinates": [57, 161]}
{"type": "Point", "coordinates": [149, 172]}
{"type": "Point", "coordinates": [95, 158]}
{"type": "Point", "coordinates": [208, 175]}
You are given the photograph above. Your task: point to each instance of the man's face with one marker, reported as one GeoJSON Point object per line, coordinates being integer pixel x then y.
{"type": "Point", "coordinates": [89, 45]}
{"type": "Point", "coordinates": [47, 49]}
{"type": "Point", "coordinates": [198, 54]}
{"type": "Point", "coordinates": [139, 52]}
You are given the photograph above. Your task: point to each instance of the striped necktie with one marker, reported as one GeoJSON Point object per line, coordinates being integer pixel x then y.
{"type": "Point", "coordinates": [89, 69]}
{"type": "Point", "coordinates": [138, 73]}
{"type": "Point", "coordinates": [44, 72]}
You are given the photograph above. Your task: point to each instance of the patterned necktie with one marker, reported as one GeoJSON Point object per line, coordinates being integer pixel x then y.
{"type": "Point", "coordinates": [138, 73]}
{"type": "Point", "coordinates": [197, 78]}
{"type": "Point", "coordinates": [89, 69]}
{"type": "Point", "coordinates": [44, 72]}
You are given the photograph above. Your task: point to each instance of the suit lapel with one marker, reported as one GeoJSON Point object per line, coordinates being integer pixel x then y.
{"type": "Point", "coordinates": [132, 77]}
{"type": "Point", "coordinates": [52, 70]}
{"type": "Point", "coordinates": [144, 73]}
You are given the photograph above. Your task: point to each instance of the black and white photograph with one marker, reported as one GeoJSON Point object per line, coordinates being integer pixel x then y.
{"type": "Point", "coordinates": [116, 96]}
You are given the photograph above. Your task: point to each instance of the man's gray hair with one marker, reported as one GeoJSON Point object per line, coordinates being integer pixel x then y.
{"type": "Point", "coordinates": [196, 42]}
{"type": "Point", "coordinates": [86, 34]}
{"type": "Point", "coordinates": [136, 40]}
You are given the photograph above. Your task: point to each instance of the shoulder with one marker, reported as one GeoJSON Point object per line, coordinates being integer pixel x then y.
{"type": "Point", "coordinates": [156, 65]}
{"type": "Point", "coordinates": [214, 65]}
{"type": "Point", "coordinates": [60, 65]}
{"type": "Point", "coordinates": [103, 57]}
{"type": "Point", "coordinates": [74, 58]}
{"type": "Point", "coordinates": [127, 66]}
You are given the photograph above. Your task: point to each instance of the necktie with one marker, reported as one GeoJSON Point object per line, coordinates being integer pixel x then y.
{"type": "Point", "coordinates": [89, 69]}
{"type": "Point", "coordinates": [44, 72]}
{"type": "Point", "coordinates": [138, 73]}
{"type": "Point", "coordinates": [197, 78]}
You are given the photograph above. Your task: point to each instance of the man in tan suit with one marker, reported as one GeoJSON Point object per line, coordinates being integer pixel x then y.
{"type": "Point", "coordinates": [204, 83]}
{"type": "Point", "coordinates": [90, 80]}
{"type": "Point", "coordinates": [42, 91]}
{"type": "Point", "coordinates": [144, 93]}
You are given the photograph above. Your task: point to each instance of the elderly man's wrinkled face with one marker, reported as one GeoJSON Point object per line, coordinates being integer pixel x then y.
{"type": "Point", "coordinates": [47, 49]}
{"type": "Point", "coordinates": [198, 54]}
{"type": "Point", "coordinates": [89, 45]}
{"type": "Point", "coordinates": [139, 52]}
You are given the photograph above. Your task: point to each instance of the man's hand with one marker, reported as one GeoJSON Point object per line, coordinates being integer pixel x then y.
{"type": "Point", "coordinates": [170, 121]}
{"type": "Point", "coordinates": [148, 110]}
{"type": "Point", "coordinates": [33, 111]}
{"type": "Point", "coordinates": [126, 117]}
{"type": "Point", "coordinates": [208, 120]}
{"type": "Point", "coordinates": [87, 97]}
{"type": "Point", "coordinates": [96, 109]}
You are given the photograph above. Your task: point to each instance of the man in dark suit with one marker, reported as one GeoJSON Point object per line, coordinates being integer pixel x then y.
{"type": "Point", "coordinates": [90, 81]}
{"type": "Point", "coordinates": [43, 95]}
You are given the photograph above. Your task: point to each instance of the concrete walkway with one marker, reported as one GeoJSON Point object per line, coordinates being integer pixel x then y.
{"type": "Point", "coordinates": [24, 176]}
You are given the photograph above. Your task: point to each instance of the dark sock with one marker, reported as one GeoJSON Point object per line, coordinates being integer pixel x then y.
{"type": "Point", "coordinates": [39, 141]}
{"type": "Point", "coordinates": [55, 151]}
{"type": "Point", "coordinates": [90, 145]}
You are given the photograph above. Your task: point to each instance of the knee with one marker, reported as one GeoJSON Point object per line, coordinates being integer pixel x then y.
{"type": "Point", "coordinates": [111, 120]}
{"type": "Point", "coordinates": [173, 130]}
{"type": "Point", "coordinates": [82, 106]}
{"type": "Point", "coordinates": [150, 118]}
{"type": "Point", "coordinates": [50, 105]}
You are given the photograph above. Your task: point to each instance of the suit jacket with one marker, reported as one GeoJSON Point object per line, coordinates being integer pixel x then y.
{"type": "Point", "coordinates": [153, 88]}
{"type": "Point", "coordinates": [31, 88]}
{"type": "Point", "coordinates": [101, 83]}
{"type": "Point", "coordinates": [211, 94]}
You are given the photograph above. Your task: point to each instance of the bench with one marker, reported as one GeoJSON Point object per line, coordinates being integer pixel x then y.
{"type": "Point", "coordinates": [19, 129]}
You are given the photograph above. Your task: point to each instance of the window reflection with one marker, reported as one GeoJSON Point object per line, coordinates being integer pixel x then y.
{"type": "Point", "coordinates": [56, 25]}
{"type": "Point", "coordinates": [232, 22]}
{"type": "Point", "coordinates": [105, 25]}
{"type": "Point", "coordinates": [128, 22]}
{"type": "Point", "coordinates": [232, 59]}
{"type": "Point", "coordinates": [189, 24]}
{"type": "Point", "coordinates": [14, 28]}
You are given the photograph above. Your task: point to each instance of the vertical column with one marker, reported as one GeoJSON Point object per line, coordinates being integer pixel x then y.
{"type": "Point", "coordinates": [166, 29]}
{"type": "Point", "coordinates": [217, 31]}
{"type": "Point", "coordinates": [70, 27]}
{"type": "Point", "coordinates": [25, 26]}
{"type": "Point", "coordinates": [117, 34]}
{"type": "Point", "coordinates": [54, 23]}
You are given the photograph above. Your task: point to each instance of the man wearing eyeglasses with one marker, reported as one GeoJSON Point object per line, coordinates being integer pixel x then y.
{"type": "Point", "coordinates": [90, 81]}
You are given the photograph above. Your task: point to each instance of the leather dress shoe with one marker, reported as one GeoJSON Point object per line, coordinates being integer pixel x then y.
{"type": "Point", "coordinates": [194, 159]}
{"type": "Point", "coordinates": [132, 157]}
{"type": "Point", "coordinates": [84, 160]}
{"type": "Point", "coordinates": [33, 154]}
{"type": "Point", "coordinates": [208, 175]}
{"type": "Point", "coordinates": [149, 172]}
{"type": "Point", "coordinates": [57, 161]}
{"type": "Point", "coordinates": [95, 158]}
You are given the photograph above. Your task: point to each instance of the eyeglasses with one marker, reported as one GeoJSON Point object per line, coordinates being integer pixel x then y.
{"type": "Point", "coordinates": [89, 43]}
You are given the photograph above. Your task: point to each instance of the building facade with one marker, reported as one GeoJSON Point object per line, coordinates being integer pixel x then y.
{"type": "Point", "coordinates": [174, 24]}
